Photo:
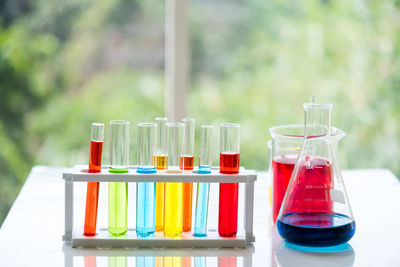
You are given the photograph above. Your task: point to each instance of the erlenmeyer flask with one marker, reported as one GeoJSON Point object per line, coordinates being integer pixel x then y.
{"type": "Point", "coordinates": [316, 210]}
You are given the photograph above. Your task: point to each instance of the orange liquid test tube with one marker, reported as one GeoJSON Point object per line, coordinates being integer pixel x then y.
{"type": "Point", "coordinates": [92, 194]}
{"type": "Point", "coordinates": [186, 163]}
{"type": "Point", "coordinates": [161, 163]}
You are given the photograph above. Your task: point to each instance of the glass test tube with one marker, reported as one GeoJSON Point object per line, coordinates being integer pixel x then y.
{"type": "Point", "coordinates": [186, 163]}
{"type": "Point", "coordinates": [203, 189]}
{"type": "Point", "coordinates": [173, 208]}
{"type": "Point", "coordinates": [147, 261]}
{"type": "Point", "coordinates": [146, 192]}
{"type": "Point", "coordinates": [161, 163]}
{"type": "Point", "coordinates": [118, 191]}
{"type": "Point", "coordinates": [228, 192]}
{"type": "Point", "coordinates": [92, 194]}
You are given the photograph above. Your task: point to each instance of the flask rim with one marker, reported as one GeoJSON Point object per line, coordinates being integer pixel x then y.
{"type": "Point", "coordinates": [275, 131]}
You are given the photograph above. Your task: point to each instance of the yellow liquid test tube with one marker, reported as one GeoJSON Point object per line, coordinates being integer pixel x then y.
{"type": "Point", "coordinates": [173, 198]}
{"type": "Point", "coordinates": [172, 262]}
{"type": "Point", "coordinates": [160, 160]}
{"type": "Point", "coordinates": [173, 217]}
{"type": "Point", "coordinates": [161, 163]}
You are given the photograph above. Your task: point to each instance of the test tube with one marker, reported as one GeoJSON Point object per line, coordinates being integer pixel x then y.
{"type": "Point", "coordinates": [228, 192]}
{"type": "Point", "coordinates": [92, 194]}
{"type": "Point", "coordinates": [118, 191]}
{"type": "Point", "coordinates": [146, 192]}
{"type": "Point", "coordinates": [173, 208]}
{"type": "Point", "coordinates": [161, 162]}
{"type": "Point", "coordinates": [200, 221]}
{"type": "Point", "coordinates": [145, 261]}
{"type": "Point", "coordinates": [186, 163]}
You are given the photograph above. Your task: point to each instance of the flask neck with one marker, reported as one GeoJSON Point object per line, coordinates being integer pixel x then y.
{"type": "Point", "coordinates": [317, 120]}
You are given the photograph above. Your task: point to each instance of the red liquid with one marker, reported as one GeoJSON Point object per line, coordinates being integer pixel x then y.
{"type": "Point", "coordinates": [229, 163]}
{"type": "Point", "coordinates": [228, 197]}
{"type": "Point", "coordinates": [187, 163]}
{"type": "Point", "coordinates": [186, 261]}
{"type": "Point", "coordinates": [282, 168]}
{"type": "Point", "coordinates": [226, 261]}
{"type": "Point", "coordinates": [92, 194]}
{"type": "Point", "coordinates": [90, 261]}
{"type": "Point", "coordinates": [310, 192]}
{"type": "Point", "coordinates": [96, 149]}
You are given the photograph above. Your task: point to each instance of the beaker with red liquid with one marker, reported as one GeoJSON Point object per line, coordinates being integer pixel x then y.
{"type": "Point", "coordinates": [229, 192]}
{"type": "Point", "coordinates": [92, 194]}
{"type": "Point", "coordinates": [284, 148]}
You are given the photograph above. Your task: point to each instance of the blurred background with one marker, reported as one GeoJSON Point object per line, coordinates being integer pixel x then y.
{"type": "Point", "coordinates": [66, 64]}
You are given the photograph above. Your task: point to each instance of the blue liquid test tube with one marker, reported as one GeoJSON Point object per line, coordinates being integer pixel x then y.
{"type": "Point", "coordinates": [199, 261]}
{"type": "Point", "coordinates": [203, 189]}
{"type": "Point", "coordinates": [146, 191]}
{"type": "Point", "coordinates": [145, 261]}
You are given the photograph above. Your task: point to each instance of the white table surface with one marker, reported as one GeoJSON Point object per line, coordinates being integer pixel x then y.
{"type": "Point", "coordinates": [31, 233]}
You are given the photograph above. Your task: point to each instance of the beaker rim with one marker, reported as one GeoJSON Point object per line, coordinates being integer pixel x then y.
{"type": "Point", "coordinates": [275, 131]}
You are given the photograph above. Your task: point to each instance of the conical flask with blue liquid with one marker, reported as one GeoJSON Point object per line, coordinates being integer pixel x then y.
{"type": "Point", "coordinates": [316, 211]}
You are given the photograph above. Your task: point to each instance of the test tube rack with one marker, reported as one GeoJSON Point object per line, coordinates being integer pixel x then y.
{"type": "Point", "coordinates": [104, 240]}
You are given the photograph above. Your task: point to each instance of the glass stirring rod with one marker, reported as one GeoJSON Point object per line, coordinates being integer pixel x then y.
{"type": "Point", "coordinates": [92, 194]}
{"type": "Point", "coordinates": [203, 189]}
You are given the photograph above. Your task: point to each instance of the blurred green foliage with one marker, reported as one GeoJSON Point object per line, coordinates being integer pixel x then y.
{"type": "Point", "coordinates": [65, 64]}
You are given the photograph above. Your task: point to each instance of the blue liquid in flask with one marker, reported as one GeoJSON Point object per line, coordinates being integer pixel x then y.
{"type": "Point", "coordinates": [316, 229]}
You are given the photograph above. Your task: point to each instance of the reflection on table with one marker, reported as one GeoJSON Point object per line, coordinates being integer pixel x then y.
{"type": "Point", "coordinates": [157, 257]}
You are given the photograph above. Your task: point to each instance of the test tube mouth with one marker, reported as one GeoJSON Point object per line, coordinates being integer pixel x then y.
{"type": "Point", "coordinates": [161, 118]}
{"type": "Point", "coordinates": [175, 124]}
{"type": "Point", "coordinates": [230, 125]}
{"type": "Point", "coordinates": [188, 119]}
{"type": "Point", "coordinates": [147, 124]}
{"type": "Point", "coordinates": [98, 124]}
{"type": "Point", "coordinates": [318, 105]}
{"type": "Point", "coordinates": [207, 126]}
{"type": "Point", "coordinates": [119, 122]}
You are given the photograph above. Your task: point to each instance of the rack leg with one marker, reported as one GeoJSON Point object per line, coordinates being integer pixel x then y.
{"type": "Point", "coordinates": [69, 207]}
{"type": "Point", "coordinates": [248, 212]}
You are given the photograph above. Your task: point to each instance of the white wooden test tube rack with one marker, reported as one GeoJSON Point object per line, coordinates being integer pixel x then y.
{"type": "Point", "coordinates": [212, 240]}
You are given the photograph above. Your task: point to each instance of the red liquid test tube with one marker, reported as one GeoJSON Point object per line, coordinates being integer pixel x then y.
{"type": "Point", "coordinates": [229, 192]}
{"type": "Point", "coordinates": [92, 194]}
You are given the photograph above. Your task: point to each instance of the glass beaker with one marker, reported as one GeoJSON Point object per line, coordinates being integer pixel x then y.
{"type": "Point", "coordinates": [284, 149]}
{"type": "Point", "coordinates": [315, 210]}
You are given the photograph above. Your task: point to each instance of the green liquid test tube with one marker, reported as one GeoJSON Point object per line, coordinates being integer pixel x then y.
{"type": "Point", "coordinates": [118, 191]}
